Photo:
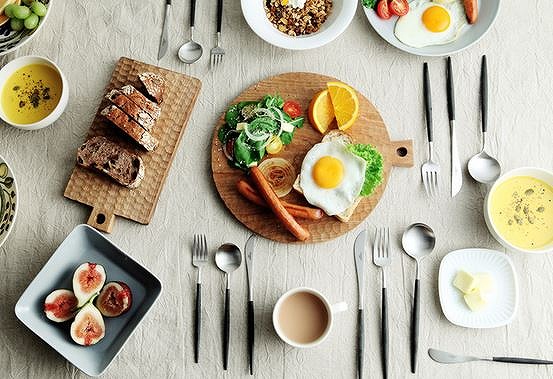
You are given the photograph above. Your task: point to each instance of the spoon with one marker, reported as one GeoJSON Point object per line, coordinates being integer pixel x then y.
{"type": "Point", "coordinates": [418, 241]}
{"type": "Point", "coordinates": [191, 51]}
{"type": "Point", "coordinates": [482, 167]}
{"type": "Point", "coordinates": [228, 258]}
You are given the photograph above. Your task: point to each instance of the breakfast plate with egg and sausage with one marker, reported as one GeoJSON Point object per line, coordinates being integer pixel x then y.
{"type": "Point", "coordinates": [431, 27]}
{"type": "Point", "coordinates": [302, 157]}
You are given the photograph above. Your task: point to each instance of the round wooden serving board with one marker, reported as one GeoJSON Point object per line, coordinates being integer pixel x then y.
{"type": "Point", "coordinates": [369, 128]}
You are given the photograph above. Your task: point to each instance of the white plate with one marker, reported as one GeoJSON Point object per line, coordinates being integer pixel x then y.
{"type": "Point", "coordinates": [338, 20]}
{"type": "Point", "coordinates": [488, 10]}
{"type": "Point", "coordinates": [503, 301]}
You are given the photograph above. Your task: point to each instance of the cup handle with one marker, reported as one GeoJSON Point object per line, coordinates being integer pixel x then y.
{"type": "Point", "coordinates": [339, 307]}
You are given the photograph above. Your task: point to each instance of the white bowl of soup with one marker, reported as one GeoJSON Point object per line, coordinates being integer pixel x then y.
{"type": "Point", "coordinates": [33, 93]}
{"type": "Point", "coordinates": [519, 210]}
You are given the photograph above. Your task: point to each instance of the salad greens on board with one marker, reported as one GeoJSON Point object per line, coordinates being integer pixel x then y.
{"type": "Point", "coordinates": [250, 126]}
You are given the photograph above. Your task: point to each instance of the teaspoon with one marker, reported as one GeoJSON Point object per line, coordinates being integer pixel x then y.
{"type": "Point", "coordinates": [191, 51]}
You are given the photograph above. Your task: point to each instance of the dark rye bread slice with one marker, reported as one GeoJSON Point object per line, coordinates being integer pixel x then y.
{"type": "Point", "coordinates": [154, 85]}
{"type": "Point", "coordinates": [106, 156]}
{"type": "Point", "coordinates": [142, 101]}
{"type": "Point", "coordinates": [139, 115]}
{"type": "Point", "coordinates": [124, 122]}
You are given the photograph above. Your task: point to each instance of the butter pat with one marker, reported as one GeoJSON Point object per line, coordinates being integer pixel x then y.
{"type": "Point", "coordinates": [475, 300]}
{"type": "Point", "coordinates": [484, 282]}
{"type": "Point", "coordinates": [464, 282]}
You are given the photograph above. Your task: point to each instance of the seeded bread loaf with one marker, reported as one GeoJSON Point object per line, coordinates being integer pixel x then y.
{"type": "Point", "coordinates": [139, 115]}
{"type": "Point", "coordinates": [142, 101]}
{"type": "Point", "coordinates": [124, 122]}
{"type": "Point", "coordinates": [154, 85]}
{"type": "Point", "coordinates": [103, 155]}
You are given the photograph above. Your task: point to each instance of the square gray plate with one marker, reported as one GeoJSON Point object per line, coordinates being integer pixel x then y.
{"type": "Point", "coordinates": [84, 244]}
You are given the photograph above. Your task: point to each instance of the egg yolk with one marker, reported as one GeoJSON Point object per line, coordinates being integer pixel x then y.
{"type": "Point", "coordinates": [436, 19]}
{"type": "Point", "coordinates": [328, 172]}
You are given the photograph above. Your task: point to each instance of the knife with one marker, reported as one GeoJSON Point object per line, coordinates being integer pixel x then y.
{"type": "Point", "coordinates": [456, 174]}
{"type": "Point", "coordinates": [164, 43]}
{"type": "Point", "coordinates": [445, 357]}
{"type": "Point", "coordinates": [250, 246]}
{"type": "Point", "coordinates": [359, 255]}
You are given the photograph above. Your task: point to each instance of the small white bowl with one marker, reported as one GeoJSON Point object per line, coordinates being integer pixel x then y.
{"type": "Point", "coordinates": [503, 301]}
{"type": "Point", "coordinates": [340, 17]}
{"type": "Point", "coordinates": [15, 65]}
{"type": "Point", "coordinates": [538, 173]}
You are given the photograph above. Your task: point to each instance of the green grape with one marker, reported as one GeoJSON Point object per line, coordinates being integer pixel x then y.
{"type": "Point", "coordinates": [21, 12]}
{"type": "Point", "coordinates": [16, 24]}
{"type": "Point", "coordinates": [31, 22]}
{"type": "Point", "coordinates": [28, 2]}
{"type": "Point", "coordinates": [38, 8]}
{"type": "Point", "coordinates": [8, 11]}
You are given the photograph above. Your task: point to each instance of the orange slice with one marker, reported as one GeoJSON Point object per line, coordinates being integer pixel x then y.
{"type": "Point", "coordinates": [321, 111]}
{"type": "Point", "coordinates": [345, 104]}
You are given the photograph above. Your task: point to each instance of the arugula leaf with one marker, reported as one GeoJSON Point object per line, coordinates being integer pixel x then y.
{"type": "Point", "coordinates": [246, 151]}
{"type": "Point", "coordinates": [374, 170]}
{"type": "Point", "coordinates": [297, 122]}
{"type": "Point", "coordinates": [232, 115]}
{"type": "Point", "coordinates": [223, 133]}
{"type": "Point", "coordinates": [369, 3]}
{"type": "Point", "coordinates": [264, 124]}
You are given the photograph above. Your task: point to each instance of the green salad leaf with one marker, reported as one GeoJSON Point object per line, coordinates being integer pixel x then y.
{"type": "Point", "coordinates": [369, 3]}
{"type": "Point", "coordinates": [375, 166]}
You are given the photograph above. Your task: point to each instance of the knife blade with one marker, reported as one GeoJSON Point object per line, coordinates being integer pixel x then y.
{"type": "Point", "coordinates": [441, 356]}
{"type": "Point", "coordinates": [456, 174]}
{"type": "Point", "coordinates": [250, 247]}
{"type": "Point", "coordinates": [164, 42]}
{"type": "Point", "coordinates": [359, 255]}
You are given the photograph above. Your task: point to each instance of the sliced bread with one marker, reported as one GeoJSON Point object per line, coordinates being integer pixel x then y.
{"type": "Point", "coordinates": [139, 115]}
{"type": "Point", "coordinates": [124, 122]}
{"type": "Point", "coordinates": [103, 155]}
{"type": "Point", "coordinates": [142, 101]}
{"type": "Point", "coordinates": [154, 85]}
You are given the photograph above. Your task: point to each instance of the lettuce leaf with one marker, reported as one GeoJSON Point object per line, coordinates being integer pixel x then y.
{"type": "Point", "coordinates": [375, 166]}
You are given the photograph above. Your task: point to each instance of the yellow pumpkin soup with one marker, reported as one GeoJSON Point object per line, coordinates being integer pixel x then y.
{"type": "Point", "coordinates": [522, 212]}
{"type": "Point", "coordinates": [31, 93]}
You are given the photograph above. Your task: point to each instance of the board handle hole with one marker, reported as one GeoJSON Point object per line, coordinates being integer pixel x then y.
{"type": "Point", "coordinates": [401, 151]}
{"type": "Point", "coordinates": [101, 218]}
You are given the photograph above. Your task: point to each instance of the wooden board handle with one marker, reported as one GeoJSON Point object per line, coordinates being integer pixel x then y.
{"type": "Point", "coordinates": [101, 220]}
{"type": "Point", "coordinates": [401, 153]}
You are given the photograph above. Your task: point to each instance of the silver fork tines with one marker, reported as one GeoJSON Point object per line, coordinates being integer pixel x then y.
{"type": "Point", "coordinates": [199, 253]}
{"type": "Point", "coordinates": [217, 53]}
{"type": "Point", "coordinates": [381, 250]}
{"type": "Point", "coordinates": [430, 171]}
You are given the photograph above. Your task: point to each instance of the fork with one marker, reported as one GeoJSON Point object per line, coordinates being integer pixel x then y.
{"type": "Point", "coordinates": [199, 258]}
{"type": "Point", "coordinates": [430, 169]}
{"type": "Point", "coordinates": [381, 258]}
{"type": "Point", "coordinates": [218, 52]}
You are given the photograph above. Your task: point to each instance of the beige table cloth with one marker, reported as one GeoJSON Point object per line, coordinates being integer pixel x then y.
{"type": "Point", "coordinates": [87, 37]}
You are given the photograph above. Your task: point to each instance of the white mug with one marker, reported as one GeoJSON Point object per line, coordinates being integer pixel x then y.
{"type": "Point", "coordinates": [331, 310]}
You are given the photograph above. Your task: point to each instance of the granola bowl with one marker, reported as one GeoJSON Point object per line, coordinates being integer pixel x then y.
{"type": "Point", "coordinates": [311, 24]}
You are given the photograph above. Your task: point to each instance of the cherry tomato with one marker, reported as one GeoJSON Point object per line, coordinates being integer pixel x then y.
{"type": "Point", "coordinates": [399, 7]}
{"type": "Point", "coordinates": [292, 108]}
{"type": "Point", "coordinates": [382, 10]}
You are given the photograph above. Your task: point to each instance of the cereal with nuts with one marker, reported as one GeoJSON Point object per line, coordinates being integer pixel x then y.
{"type": "Point", "coordinates": [298, 17]}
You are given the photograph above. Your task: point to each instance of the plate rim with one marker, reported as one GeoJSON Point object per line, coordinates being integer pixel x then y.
{"type": "Point", "coordinates": [485, 251]}
{"type": "Point", "coordinates": [87, 229]}
{"type": "Point", "coordinates": [16, 189]}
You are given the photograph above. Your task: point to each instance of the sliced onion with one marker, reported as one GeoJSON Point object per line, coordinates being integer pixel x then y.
{"type": "Point", "coordinates": [229, 155]}
{"type": "Point", "coordinates": [256, 137]}
{"type": "Point", "coordinates": [280, 174]}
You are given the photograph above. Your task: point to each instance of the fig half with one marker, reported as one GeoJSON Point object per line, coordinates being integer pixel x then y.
{"type": "Point", "coordinates": [88, 280]}
{"type": "Point", "coordinates": [114, 299]}
{"type": "Point", "coordinates": [88, 328]}
{"type": "Point", "coordinates": [60, 305]}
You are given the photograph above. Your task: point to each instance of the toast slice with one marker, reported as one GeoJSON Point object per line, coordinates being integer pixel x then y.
{"type": "Point", "coordinates": [154, 85]}
{"type": "Point", "coordinates": [139, 115]}
{"type": "Point", "coordinates": [124, 122]}
{"type": "Point", "coordinates": [103, 155]}
{"type": "Point", "coordinates": [142, 101]}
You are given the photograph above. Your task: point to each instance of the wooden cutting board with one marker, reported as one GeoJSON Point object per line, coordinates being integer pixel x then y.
{"type": "Point", "coordinates": [107, 198]}
{"type": "Point", "coordinates": [369, 128]}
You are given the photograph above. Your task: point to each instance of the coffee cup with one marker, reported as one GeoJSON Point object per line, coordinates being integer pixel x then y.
{"type": "Point", "coordinates": [303, 317]}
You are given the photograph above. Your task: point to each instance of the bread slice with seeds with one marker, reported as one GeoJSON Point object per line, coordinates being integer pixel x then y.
{"type": "Point", "coordinates": [154, 85]}
{"type": "Point", "coordinates": [138, 114]}
{"type": "Point", "coordinates": [142, 101]}
{"type": "Point", "coordinates": [104, 155]}
{"type": "Point", "coordinates": [124, 122]}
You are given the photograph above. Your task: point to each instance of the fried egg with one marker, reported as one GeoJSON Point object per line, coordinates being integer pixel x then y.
{"type": "Point", "coordinates": [331, 177]}
{"type": "Point", "coordinates": [429, 23]}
